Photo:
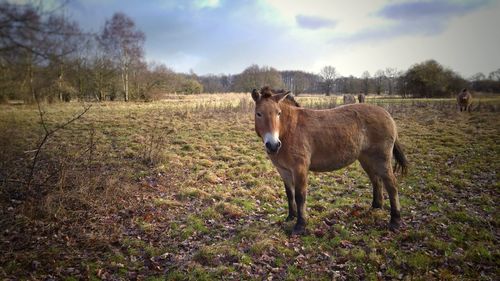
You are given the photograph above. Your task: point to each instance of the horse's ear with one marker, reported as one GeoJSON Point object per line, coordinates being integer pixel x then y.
{"type": "Point", "coordinates": [281, 96]}
{"type": "Point", "coordinates": [255, 95]}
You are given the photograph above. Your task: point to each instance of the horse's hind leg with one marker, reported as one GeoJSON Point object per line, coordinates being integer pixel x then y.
{"type": "Point", "coordinates": [378, 196]}
{"type": "Point", "coordinates": [377, 163]}
{"type": "Point", "coordinates": [390, 185]}
{"type": "Point", "coordinates": [380, 165]}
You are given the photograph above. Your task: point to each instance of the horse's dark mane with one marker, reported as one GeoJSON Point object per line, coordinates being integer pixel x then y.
{"type": "Point", "coordinates": [268, 92]}
{"type": "Point", "coordinates": [291, 100]}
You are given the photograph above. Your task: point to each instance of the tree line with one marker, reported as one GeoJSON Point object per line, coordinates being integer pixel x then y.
{"type": "Point", "coordinates": [45, 56]}
{"type": "Point", "coordinates": [422, 80]}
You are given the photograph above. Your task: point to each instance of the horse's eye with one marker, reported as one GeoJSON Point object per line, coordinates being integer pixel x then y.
{"type": "Point", "coordinates": [279, 113]}
{"type": "Point", "coordinates": [258, 114]}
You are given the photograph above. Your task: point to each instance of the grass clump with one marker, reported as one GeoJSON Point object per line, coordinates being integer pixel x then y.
{"type": "Point", "coordinates": [216, 255]}
{"type": "Point", "coordinates": [229, 210]}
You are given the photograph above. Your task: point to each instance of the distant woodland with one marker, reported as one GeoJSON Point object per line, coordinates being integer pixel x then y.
{"type": "Point", "coordinates": [45, 56]}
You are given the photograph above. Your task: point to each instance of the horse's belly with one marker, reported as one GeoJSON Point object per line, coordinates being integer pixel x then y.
{"type": "Point", "coordinates": [330, 164]}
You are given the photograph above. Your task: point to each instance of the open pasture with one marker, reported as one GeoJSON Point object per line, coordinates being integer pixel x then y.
{"type": "Point", "coordinates": [182, 189]}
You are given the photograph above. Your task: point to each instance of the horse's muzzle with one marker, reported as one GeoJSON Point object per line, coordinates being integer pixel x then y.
{"type": "Point", "coordinates": [273, 147]}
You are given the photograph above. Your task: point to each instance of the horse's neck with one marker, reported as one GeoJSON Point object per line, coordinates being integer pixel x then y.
{"type": "Point", "coordinates": [289, 119]}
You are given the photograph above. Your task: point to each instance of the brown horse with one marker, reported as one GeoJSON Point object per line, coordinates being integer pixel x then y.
{"type": "Point", "coordinates": [299, 140]}
{"type": "Point", "coordinates": [361, 98]}
{"type": "Point", "coordinates": [464, 100]}
{"type": "Point", "coordinates": [349, 99]}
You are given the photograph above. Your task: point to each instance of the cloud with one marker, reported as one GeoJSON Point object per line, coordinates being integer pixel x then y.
{"type": "Point", "coordinates": [435, 9]}
{"type": "Point", "coordinates": [426, 17]}
{"type": "Point", "coordinates": [414, 18]}
{"type": "Point", "coordinates": [312, 22]}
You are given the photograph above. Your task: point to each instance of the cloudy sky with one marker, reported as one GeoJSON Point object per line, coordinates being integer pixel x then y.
{"type": "Point", "coordinates": [226, 36]}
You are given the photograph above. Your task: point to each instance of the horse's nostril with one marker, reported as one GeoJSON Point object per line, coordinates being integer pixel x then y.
{"type": "Point", "coordinates": [272, 147]}
{"type": "Point", "coordinates": [268, 145]}
{"type": "Point", "coordinates": [279, 144]}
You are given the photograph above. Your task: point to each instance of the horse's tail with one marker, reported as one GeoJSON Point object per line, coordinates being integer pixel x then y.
{"type": "Point", "coordinates": [401, 161]}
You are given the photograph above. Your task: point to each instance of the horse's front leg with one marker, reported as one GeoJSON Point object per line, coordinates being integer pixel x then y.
{"type": "Point", "coordinates": [300, 180]}
{"type": "Point", "coordinates": [290, 193]}
{"type": "Point", "coordinates": [292, 207]}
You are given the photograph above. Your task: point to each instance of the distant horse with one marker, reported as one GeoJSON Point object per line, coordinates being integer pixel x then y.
{"type": "Point", "coordinates": [299, 140]}
{"type": "Point", "coordinates": [464, 100]}
{"type": "Point", "coordinates": [349, 99]}
{"type": "Point", "coordinates": [361, 98]}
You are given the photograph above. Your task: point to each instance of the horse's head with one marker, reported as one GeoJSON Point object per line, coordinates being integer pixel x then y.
{"type": "Point", "coordinates": [267, 117]}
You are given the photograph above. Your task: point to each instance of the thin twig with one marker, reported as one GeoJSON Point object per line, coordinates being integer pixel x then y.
{"type": "Point", "coordinates": [48, 133]}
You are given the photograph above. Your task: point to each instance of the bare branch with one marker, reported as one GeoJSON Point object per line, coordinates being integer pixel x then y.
{"type": "Point", "coordinates": [48, 134]}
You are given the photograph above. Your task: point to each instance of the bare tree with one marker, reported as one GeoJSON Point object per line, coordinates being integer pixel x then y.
{"type": "Point", "coordinates": [300, 83]}
{"type": "Point", "coordinates": [477, 77]}
{"type": "Point", "coordinates": [30, 39]}
{"type": "Point", "coordinates": [124, 42]}
{"type": "Point", "coordinates": [212, 83]}
{"type": "Point", "coordinates": [366, 82]}
{"type": "Point", "coordinates": [255, 77]}
{"type": "Point", "coordinates": [391, 74]}
{"type": "Point", "coordinates": [494, 75]}
{"type": "Point", "coordinates": [379, 80]}
{"type": "Point", "coordinates": [26, 28]}
{"type": "Point", "coordinates": [328, 74]}
{"type": "Point", "coordinates": [103, 72]}
{"type": "Point", "coordinates": [227, 82]}
{"type": "Point", "coordinates": [65, 44]}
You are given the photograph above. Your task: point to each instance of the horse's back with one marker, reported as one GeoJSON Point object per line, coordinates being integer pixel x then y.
{"type": "Point", "coordinates": [373, 119]}
{"type": "Point", "coordinates": [360, 116]}
{"type": "Point", "coordinates": [364, 112]}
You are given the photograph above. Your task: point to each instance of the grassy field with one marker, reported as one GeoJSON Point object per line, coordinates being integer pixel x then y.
{"type": "Point", "coordinates": [182, 190]}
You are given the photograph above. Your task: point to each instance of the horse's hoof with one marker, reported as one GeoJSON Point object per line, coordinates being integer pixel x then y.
{"type": "Point", "coordinates": [394, 226]}
{"type": "Point", "coordinates": [298, 230]}
{"type": "Point", "coordinates": [290, 218]}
